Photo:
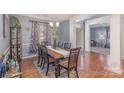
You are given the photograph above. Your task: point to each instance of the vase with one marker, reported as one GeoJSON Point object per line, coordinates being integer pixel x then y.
{"type": "Point", "coordinates": [54, 44]}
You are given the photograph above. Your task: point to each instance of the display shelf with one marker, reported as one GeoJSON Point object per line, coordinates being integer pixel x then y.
{"type": "Point", "coordinates": [15, 44]}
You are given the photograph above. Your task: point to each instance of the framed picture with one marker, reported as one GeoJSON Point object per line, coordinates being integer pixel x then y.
{"type": "Point", "coordinates": [5, 25]}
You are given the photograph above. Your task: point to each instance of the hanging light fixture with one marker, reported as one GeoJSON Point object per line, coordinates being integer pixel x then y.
{"type": "Point", "coordinates": [51, 24]}
{"type": "Point", "coordinates": [57, 24]}
{"type": "Point", "coordinates": [54, 24]}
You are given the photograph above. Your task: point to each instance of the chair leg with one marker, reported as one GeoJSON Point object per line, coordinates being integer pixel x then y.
{"type": "Point", "coordinates": [47, 69]}
{"type": "Point", "coordinates": [38, 60]}
{"type": "Point", "coordinates": [41, 63]}
{"type": "Point", "coordinates": [76, 72]}
{"type": "Point", "coordinates": [59, 70]}
{"type": "Point", "coordinates": [68, 73]}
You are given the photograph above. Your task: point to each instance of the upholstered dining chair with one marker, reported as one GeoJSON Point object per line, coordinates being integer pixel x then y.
{"type": "Point", "coordinates": [71, 63]}
{"type": "Point", "coordinates": [47, 59]}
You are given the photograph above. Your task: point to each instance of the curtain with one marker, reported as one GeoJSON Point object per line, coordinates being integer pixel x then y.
{"type": "Point", "coordinates": [40, 32]}
{"type": "Point", "coordinates": [34, 38]}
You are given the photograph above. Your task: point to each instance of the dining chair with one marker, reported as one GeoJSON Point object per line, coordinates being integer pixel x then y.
{"type": "Point", "coordinates": [47, 59]}
{"type": "Point", "coordinates": [71, 63]}
{"type": "Point", "coordinates": [46, 43]}
{"type": "Point", "coordinates": [63, 44]}
{"type": "Point", "coordinates": [40, 56]}
{"type": "Point", "coordinates": [60, 44]}
{"type": "Point", "coordinates": [67, 45]}
{"type": "Point", "coordinates": [39, 53]}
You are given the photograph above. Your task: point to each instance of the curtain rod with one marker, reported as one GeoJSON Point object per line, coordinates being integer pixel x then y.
{"type": "Point", "coordinates": [38, 21]}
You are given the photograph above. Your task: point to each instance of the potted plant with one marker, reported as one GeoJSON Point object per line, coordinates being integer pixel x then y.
{"type": "Point", "coordinates": [54, 33]}
{"type": "Point", "coordinates": [55, 38]}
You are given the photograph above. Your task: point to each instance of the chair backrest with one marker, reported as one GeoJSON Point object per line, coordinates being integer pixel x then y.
{"type": "Point", "coordinates": [45, 53]}
{"type": "Point", "coordinates": [46, 43]}
{"type": "Point", "coordinates": [60, 44]}
{"type": "Point", "coordinates": [67, 45]}
{"type": "Point", "coordinates": [73, 57]}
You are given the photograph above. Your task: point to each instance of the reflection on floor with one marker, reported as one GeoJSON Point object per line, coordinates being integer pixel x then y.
{"type": "Point", "coordinates": [93, 66]}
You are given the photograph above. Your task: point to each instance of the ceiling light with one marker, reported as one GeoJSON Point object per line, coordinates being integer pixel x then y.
{"type": "Point", "coordinates": [51, 24]}
{"type": "Point", "coordinates": [57, 24]}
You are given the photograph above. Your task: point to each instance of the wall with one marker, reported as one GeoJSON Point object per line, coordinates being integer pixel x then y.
{"type": "Point", "coordinates": [78, 37]}
{"type": "Point", "coordinates": [26, 33]}
{"type": "Point", "coordinates": [122, 37]}
{"type": "Point", "coordinates": [64, 31]}
{"type": "Point", "coordinates": [114, 64]}
{"type": "Point", "coordinates": [72, 33]}
{"type": "Point", "coordinates": [4, 42]}
{"type": "Point", "coordinates": [100, 20]}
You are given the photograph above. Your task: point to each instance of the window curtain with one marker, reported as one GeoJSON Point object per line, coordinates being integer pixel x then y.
{"type": "Point", "coordinates": [40, 32]}
{"type": "Point", "coordinates": [34, 38]}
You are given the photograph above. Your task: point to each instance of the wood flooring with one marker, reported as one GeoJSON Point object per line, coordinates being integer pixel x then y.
{"type": "Point", "coordinates": [29, 70]}
{"type": "Point", "coordinates": [94, 66]}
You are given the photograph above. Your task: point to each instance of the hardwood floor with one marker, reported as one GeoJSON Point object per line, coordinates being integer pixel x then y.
{"type": "Point", "coordinates": [29, 70]}
{"type": "Point", "coordinates": [93, 65]}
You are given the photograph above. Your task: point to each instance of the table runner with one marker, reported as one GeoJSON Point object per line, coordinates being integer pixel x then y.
{"type": "Point", "coordinates": [60, 51]}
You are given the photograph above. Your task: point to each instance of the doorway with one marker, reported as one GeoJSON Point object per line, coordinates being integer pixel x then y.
{"type": "Point", "coordinates": [91, 62]}
{"type": "Point", "coordinates": [100, 38]}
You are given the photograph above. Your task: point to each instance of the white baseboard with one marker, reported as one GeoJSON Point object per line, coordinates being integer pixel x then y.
{"type": "Point", "coordinates": [115, 70]}
{"type": "Point", "coordinates": [29, 56]}
{"type": "Point", "coordinates": [6, 53]}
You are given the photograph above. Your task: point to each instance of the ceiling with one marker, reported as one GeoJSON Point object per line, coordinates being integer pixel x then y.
{"type": "Point", "coordinates": [63, 17]}
{"type": "Point", "coordinates": [51, 17]}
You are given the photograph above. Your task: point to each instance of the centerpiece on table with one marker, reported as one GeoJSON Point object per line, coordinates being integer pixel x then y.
{"type": "Point", "coordinates": [55, 36]}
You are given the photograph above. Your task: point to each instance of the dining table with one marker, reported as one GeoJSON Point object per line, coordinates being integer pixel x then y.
{"type": "Point", "coordinates": [57, 54]}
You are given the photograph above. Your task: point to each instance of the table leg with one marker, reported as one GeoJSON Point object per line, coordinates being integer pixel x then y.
{"type": "Point", "coordinates": [56, 69]}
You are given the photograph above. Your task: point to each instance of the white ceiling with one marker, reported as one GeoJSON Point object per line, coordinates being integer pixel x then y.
{"type": "Point", "coordinates": [62, 17]}
{"type": "Point", "coordinates": [51, 17]}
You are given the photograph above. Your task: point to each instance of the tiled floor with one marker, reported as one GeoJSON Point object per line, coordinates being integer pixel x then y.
{"type": "Point", "coordinates": [93, 65]}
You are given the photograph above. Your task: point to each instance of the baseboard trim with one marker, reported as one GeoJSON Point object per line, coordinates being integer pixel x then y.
{"type": "Point", "coordinates": [6, 53]}
{"type": "Point", "coordinates": [27, 57]}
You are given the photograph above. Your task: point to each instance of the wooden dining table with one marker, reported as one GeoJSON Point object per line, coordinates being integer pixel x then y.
{"type": "Point", "coordinates": [56, 56]}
